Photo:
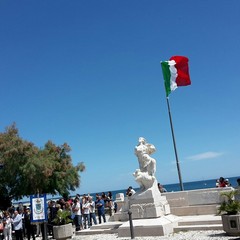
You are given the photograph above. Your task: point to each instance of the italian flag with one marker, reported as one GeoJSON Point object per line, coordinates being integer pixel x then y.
{"type": "Point", "coordinates": [175, 73]}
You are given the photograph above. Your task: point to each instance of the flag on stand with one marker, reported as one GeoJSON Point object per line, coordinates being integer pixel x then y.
{"type": "Point", "coordinates": [175, 73]}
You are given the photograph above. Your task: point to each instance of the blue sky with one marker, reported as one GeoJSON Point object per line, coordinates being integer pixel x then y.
{"type": "Point", "coordinates": [88, 73]}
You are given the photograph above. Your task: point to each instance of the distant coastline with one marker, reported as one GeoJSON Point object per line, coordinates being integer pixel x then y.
{"type": "Point", "coordinates": [201, 184]}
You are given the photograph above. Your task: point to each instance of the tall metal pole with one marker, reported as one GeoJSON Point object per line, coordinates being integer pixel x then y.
{"type": "Point", "coordinates": [175, 148]}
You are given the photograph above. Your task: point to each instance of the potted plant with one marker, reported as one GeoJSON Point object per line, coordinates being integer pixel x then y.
{"type": "Point", "coordinates": [229, 209]}
{"type": "Point", "coordinates": [62, 228]}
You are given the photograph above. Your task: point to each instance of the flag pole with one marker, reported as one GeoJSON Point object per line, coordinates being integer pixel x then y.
{"type": "Point", "coordinates": [175, 148]}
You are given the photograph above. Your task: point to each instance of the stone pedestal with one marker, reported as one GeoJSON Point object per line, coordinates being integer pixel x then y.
{"type": "Point", "coordinates": [148, 204]}
{"type": "Point", "coordinates": [149, 227]}
{"type": "Point", "coordinates": [150, 214]}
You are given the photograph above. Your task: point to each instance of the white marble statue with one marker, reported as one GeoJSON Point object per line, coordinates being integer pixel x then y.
{"type": "Point", "coordinates": [145, 175]}
{"type": "Point", "coordinates": [147, 202]}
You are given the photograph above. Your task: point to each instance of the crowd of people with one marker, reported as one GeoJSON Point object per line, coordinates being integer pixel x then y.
{"type": "Point", "coordinates": [16, 221]}
{"type": "Point", "coordinates": [83, 211]}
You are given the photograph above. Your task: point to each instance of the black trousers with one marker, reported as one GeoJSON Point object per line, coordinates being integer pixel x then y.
{"type": "Point", "coordinates": [30, 232]}
{"type": "Point", "coordinates": [18, 234]}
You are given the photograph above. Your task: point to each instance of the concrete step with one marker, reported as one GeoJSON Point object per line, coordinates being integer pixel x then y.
{"type": "Point", "coordinates": [107, 225]}
{"type": "Point", "coordinates": [95, 231]}
{"type": "Point", "coordinates": [198, 227]}
{"type": "Point", "coordinates": [200, 220]}
{"type": "Point", "coordinates": [104, 228]}
{"type": "Point", "coordinates": [199, 223]}
{"type": "Point", "coordinates": [194, 210]}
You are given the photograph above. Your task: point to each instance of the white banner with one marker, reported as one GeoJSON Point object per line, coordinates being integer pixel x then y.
{"type": "Point", "coordinates": [38, 208]}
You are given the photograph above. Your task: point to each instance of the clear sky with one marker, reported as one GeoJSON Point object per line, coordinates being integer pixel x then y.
{"type": "Point", "coordinates": [88, 73]}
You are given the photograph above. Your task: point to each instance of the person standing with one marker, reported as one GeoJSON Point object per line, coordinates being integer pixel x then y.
{"type": "Point", "coordinates": [7, 230]}
{"type": "Point", "coordinates": [115, 206]}
{"type": "Point", "coordinates": [17, 223]}
{"type": "Point", "coordinates": [109, 200]}
{"type": "Point", "coordinates": [222, 182]}
{"type": "Point", "coordinates": [237, 196]}
{"type": "Point", "coordinates": [92, 211]}
{"type": "Point", "coordinates": [86, 212]}
{"type": "Point", "coordinates": [238, 184]}
{"type": "Point", "coordinates": [29, 227]}
{"type": "Point", "coordinates": [77, 211]}
{"type": "Point", "coordinates": [161, 188]}
{"type": "Point", "coordinates": [101, 209]}
{"type": "Point", "coordinates": [104, 198]}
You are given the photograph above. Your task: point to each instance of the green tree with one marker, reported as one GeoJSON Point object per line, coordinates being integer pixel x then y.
{"type": "Point", "coordinates": [26, 169]}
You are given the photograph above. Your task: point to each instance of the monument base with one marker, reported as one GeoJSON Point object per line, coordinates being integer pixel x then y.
{"type": "Point", "coordinates": [150, 227]}
{"type": "Point", "coordinates": [149, 210]}
{"type": "Point", "coordinates": [149, 204]}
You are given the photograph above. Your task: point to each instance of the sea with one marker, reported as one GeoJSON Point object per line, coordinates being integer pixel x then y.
{"type": "Point", "coordinates": [202, 184]}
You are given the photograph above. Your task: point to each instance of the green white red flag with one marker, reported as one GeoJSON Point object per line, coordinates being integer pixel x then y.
{"type": "Point", "coordinates": [175, 73]}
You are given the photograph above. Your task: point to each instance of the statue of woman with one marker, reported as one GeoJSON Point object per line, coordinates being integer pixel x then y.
{"type": "Point", "coordinates": [143, 151]}
{"type": "Point", "coordinates": [147, 165]}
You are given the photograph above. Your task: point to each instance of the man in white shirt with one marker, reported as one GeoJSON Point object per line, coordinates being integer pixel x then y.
{"type": "Point", "coordinates": [77, 210]}
{"type": "Point", "coordinates": [17, 223]}
{"type": "Point", "coordinates": [86, 212]}
{"type": "Point", "coordinates": [92, 210]}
